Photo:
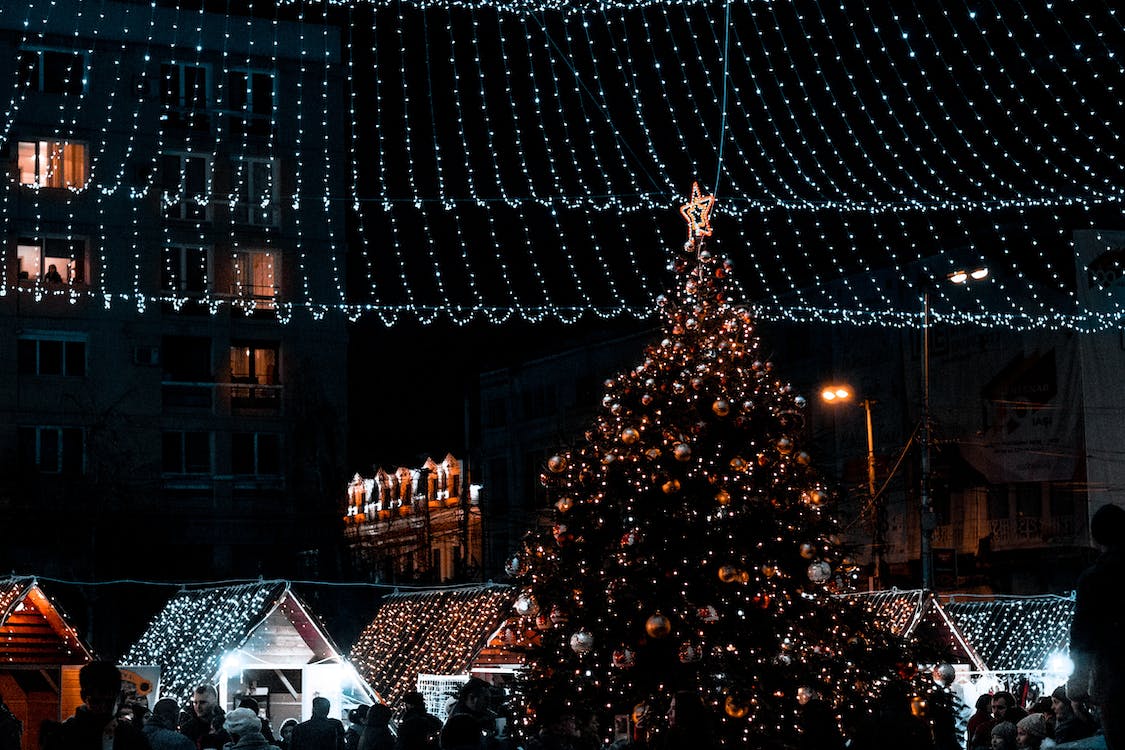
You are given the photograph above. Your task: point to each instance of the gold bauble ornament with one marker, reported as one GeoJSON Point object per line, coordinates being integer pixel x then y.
{"type": "Point", "coordinates": [722, 497]}
{"type": "Point", "coordinates": [738, 463]}
{"type": "Point", "coordinates": [556, 464]}
{"type": "Point", "coordinates": [721, 407]}
{"type": "Point", "coordinates": [630, 435]}
{"type": "Point", "coordinates": [671, 487]}
{"type": "Point", "coordinates": [784, 446]}
{"type": "Point", "coordinates": [808, 551]}
{"type": "Point", "coordinates": [682, 451]}
{"type": "Point", "coordinates": [658, 626]}
{"type": "Point", "coordinates": [728, 574]}
{"type": "Point", "coordinates": [736, 708]}
{"type": "Point", "coordinates": [564, 504]}
{"type": "Point", "coordinates": [804, 459]}
{"type": "Point", "coordinates": [769, 570]}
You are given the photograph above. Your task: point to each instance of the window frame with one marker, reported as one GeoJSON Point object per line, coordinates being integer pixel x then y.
{"type": "Point", "coordinates": [63, 465]}
{"type": "Point", "coordinates": [256, 448]}
{"type": "Point", "coordinates": [48, 249]}
{"type": "Point", "coordinates": [248, 292]}
{"type": "Point", "coordinates": [186, 467]}
{"type": "Point", "coordinates": [250, 116]}
{"type": "Point", "coordinates": [249, 212]}
{"type": "Point", "coordinates": [40, 71]}
{"type": "Point", "coordinates": [178, 100]}
{"type": "Point", "coordinates": [176, 281]}
{"type": "Point", "coordinates": [180, 209]}
{"type": "Point", "coordinates": [64, 338]}
{"type": "Point", "coordinates": [42, 179]}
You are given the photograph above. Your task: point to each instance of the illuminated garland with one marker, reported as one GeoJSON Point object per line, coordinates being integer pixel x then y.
{"type": "Point", "coordinates": [510, 159]}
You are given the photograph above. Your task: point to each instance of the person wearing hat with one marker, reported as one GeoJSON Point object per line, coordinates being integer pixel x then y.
{"type": "Point", "coordinates": [1097, 630]}
{"type": "Point", "coordinates": [160, 727]}
{"type": "Point", "coordinates": [1004, 736]}
{"type": "Point", "coordinates": [1069, 725]}
{"type": "Point", "coordinates": [245, 729]}
{"type": "Point", "coordinates": [1031, 732]}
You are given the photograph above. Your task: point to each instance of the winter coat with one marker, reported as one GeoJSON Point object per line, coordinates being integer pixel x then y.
{"type": "Point", "coordinates": [376, 737]}
{"type": "Point", "coordinates": [163, 738]}
{"type": "Point", "coordinates": [418, 730]}
{"type": "Point", "coordinates": [318, 733]}
{"type": "Point", "coordinates": [85, 730]}
{"type": "Point", "coordinates": [1097, 632]}
{"type": "Point", "coordinates": [252, 741]}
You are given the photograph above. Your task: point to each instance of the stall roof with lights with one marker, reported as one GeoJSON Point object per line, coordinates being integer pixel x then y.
{"type": "Point", "coordinates": [34, 634]}
{"type": "Point", "coordinates": [199, 627]}
{"type": "Point", "coordinates": [906, 612]}
{"type": "Point", "coordinates": [995, 634]}
{"type": "Point", "coordinates": [429, 632]}
{"type": "Point", "coordinates": [1014, 633]}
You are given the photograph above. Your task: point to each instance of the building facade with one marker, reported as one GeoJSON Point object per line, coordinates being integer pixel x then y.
{"type": "Point", "coordinates": [414, 525]}
{"type": "Point", "coordinates": [172, 378]}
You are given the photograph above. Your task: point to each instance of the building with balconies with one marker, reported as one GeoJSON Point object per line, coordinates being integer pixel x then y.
{"type": "Point", "coordinates": [173, 385]}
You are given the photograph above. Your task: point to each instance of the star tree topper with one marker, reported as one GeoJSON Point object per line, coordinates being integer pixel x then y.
{"type": "Point", "coordinates": [697, 213]}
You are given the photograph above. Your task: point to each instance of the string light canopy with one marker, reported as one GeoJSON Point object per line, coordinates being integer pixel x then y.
{"type": "Point", "coordinates": [517, 160]}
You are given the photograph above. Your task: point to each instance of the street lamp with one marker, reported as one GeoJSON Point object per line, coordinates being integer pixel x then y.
{"type": "Point", "coordinates": [835, 394]}
{"type": "Point", "coordinates": [928, 522]}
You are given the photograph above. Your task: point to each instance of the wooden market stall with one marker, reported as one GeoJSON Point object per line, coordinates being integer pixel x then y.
{"type": "Point", "coordinates": [40, 655]}
{"type": "Point", "coordinates": [434, 640]}
{"type": "Point", "coordinates": [256, 640]}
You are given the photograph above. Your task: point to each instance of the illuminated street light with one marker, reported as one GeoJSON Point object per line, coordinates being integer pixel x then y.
{"type": "Point", "coordinates": [927, 522]}
{"type": "Point", "coordinates": [835, 394]}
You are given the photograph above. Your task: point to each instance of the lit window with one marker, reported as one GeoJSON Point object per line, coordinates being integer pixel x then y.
{"type": "Point", "coordinates": [257, 194]}
{"type": "Point", "coordinates": [52, 71]}
{"type": "Point", "coordinates": [52, 164]}
{"type": "Point", "coordinates": [53, 260]}
{"type": "Point", "coordinates": [254, 362]}
{"type": "Point", "coordinates": [257, 275]}
{"type": "Point", "coordinates": [187, 270]}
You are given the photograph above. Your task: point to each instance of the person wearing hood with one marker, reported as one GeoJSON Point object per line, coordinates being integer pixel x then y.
{"type": "Point", "coordinates": [94, 725]}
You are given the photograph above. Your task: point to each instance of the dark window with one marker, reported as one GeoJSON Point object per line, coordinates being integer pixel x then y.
{"type": "Point", "coordinates": [250, 97]}
{"type": "Point", "coordinates": [183, 183]}
{"type": "Point", "coordinates": [53, 450]}
{"type": "Point", "coordinates": [183, 85]}
{"type": "Point", "coordinates": [538, 401]}
{"type": "Point", "coordinates": [186, 453]}
{"type": "Point", "coordinates": [256, 453]}
{"type": "Point", "coordinates": [186, 270]}
{"type": "Point", "coordinates": [186, 358]}
{"type": "Point", "coordinates": [51, 357]}
{"type": "Point", "coordinates": [496, 412]}
{"type": "Point", "coordinates": [52, 72]}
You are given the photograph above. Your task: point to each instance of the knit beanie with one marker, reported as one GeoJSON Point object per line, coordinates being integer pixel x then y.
{"type": "Point", "coordinates": [1005, 730]}
{"type": "Point", "coordinates": [242, 721]}
{"type": "Point", "coordinates": [1033, 724]}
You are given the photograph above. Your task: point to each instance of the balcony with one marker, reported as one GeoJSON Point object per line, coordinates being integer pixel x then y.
{"type": "Point", "coordinates": [254, 396]}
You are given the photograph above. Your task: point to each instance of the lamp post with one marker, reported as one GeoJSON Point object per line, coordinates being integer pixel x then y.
{"type": "Point", "coordinates": [928, 521]}
{"type": "Point", "coordinates": [834, 394]}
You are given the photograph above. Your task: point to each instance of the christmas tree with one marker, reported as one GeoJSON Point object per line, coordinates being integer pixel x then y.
{"type": "Point", "coordinates": [692, 548]}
